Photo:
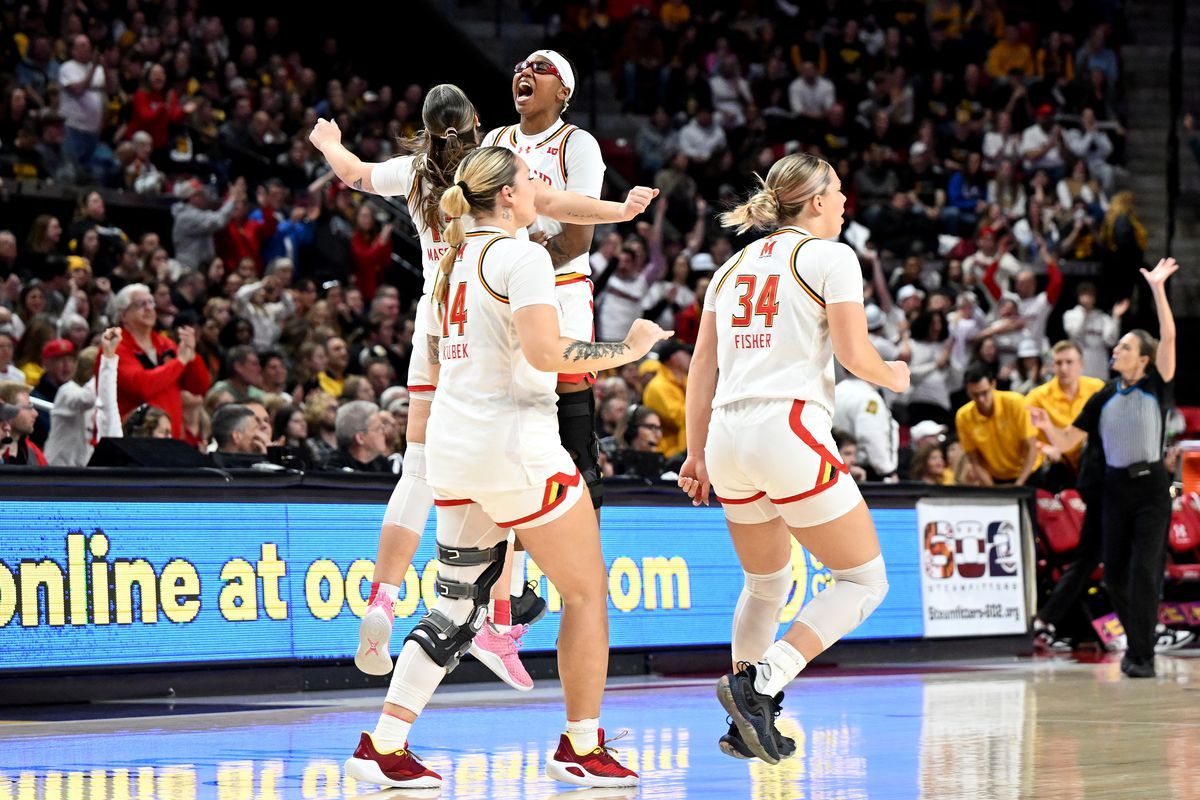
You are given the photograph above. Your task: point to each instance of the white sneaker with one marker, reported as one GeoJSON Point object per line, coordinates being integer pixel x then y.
{"type": "Point", "coordinates": [1172, 639]}
{"type": "Point", "coordinates": [374, 634]}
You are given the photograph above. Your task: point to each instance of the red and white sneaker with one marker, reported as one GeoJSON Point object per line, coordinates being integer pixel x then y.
{"type": "Point", "coordinates": [498, 652]}
{"type": "Point", "coordinates": [400, 768]}
{"type": "Point", "coordinates": [374, 635]}
{"type": "Point", "coordinates": [597, 768]}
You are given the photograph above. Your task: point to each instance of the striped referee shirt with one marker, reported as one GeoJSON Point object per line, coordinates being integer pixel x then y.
{"type": "Point", "coordinates": [1129, 421]}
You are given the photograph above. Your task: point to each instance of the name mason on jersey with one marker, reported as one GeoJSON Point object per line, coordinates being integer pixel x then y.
{"type": "Point", "coordinates": [435, 253]}
{"type": "Point", "coordinates": [752, 341]}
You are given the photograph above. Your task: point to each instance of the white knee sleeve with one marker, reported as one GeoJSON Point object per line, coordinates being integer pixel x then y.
{"type": "Point", "coordinates": [416, 675]}
{"type": "Point", "coordinates": [756, 618]}
{"type": "Point", "coordinates": [842, 607]}
{"type": "Point", "coordinates": [412, 498]}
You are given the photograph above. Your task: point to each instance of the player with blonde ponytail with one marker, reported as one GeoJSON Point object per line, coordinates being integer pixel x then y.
{"type": "Point", "coordinates": [496, 465]}
{"type": "Point", "coordinates": [451, 132]}
{"type": "Point", "coordinates": [759, 420]}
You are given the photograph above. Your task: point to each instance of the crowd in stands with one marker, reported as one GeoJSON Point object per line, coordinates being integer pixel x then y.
{"type": "Point", "coordinates": [979, 143]}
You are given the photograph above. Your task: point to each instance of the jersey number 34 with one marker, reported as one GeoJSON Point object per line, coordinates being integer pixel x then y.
{"type": "Point", "coordinates": [766, 306]}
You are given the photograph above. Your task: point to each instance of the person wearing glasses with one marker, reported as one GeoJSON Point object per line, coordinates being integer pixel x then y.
{"type": "Point", "coordinates": [637, 453]}
{"type": "Point", "coordinates": [760, 403]}
{"type": "Point", "coordinates": [422, 176]}
{"type": "Point", "coordinates": [17, 448]}
{"type": "Point", "coordinates": [150, 367]}
{"type": "Point", "coordinates": [496, 465]}
{"type": "Point", "coordinates": [565, 157]}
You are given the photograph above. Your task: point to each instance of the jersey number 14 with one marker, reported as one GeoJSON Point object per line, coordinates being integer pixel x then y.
{"type": "Point", "coordinates": [457, 313]}
{"type": "Point", "coordinates": [766, 306]}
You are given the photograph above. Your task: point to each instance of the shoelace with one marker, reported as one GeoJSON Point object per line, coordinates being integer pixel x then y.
{"type": "Point", "coordinates": [515, 635]}
{"type": "Point", "coordinates": [605, 750]}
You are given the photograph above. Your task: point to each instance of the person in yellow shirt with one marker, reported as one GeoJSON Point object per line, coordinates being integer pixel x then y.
{"type": "Point", "coordinates": [1062, 398]}
{"type": "Point", "coordinates": [996, 432]}
{"type": "Point", "coordinates": [1008, 54]}
{"type": "Point", "coordinates": [666, 394]}
{"type": "Point", "coordinates": [674, 14]}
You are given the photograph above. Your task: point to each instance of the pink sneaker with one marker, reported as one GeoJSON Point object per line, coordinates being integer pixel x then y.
{"type": "Point", "coordinates": [374, 633]}
{"type": "Point", "coordinates": [498, 652]}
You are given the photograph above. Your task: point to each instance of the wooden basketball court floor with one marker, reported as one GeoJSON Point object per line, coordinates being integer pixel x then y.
{"type": "Point", "coordinates": [1016, 728]}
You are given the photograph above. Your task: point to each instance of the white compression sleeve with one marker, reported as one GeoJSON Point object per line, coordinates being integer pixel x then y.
{"type": "Point", "coordinates": [756, 617]}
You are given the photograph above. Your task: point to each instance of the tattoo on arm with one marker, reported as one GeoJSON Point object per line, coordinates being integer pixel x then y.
{"type": "Point", "coordinates": [432, 343]}
{"type": "Point", "coordinates": [358, 183]}
{"type": "Point", "coordinates": [558, 256]}
{"type": "Point", "coordinates": [579, 351]}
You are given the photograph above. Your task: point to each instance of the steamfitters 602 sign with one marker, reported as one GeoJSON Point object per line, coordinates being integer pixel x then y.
{"type": "Point", "coordinates": [971, 562]}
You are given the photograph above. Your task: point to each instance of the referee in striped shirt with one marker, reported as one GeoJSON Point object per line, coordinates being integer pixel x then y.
{"type": "Point", "coordinates": [1128, 418]}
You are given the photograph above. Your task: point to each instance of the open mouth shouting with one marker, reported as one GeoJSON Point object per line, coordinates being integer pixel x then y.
{"type": "Point", "coordinates": [524, 90]}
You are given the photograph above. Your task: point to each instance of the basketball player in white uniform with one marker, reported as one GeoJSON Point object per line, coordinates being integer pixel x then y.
{"type": "Point", "coordinates": [451, 131]}
{"type": "Point", "coordinates": [495, 465]}
{"type": "Point", "coordinates": [566, 157]}
{"type": "Point", "coordinates": [774, 317]}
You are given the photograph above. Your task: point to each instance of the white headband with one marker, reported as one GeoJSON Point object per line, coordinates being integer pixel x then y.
{"type": "Point", "coordinates": [562, 65]}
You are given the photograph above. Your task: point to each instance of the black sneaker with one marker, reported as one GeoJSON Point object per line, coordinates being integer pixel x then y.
{"type": "Point", "coordinates": [753, 713]}
{"type": "Point", "coordinates": [528, 608]}
{"type": "Point", "coordinates": [1137, 669]}
{"type": "Point", "coordinates": [731, 743]}
{"type": "Point", "coordinates": [1046, 639]}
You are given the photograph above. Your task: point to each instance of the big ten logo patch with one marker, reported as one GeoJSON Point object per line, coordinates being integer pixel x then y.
{"type": "Point", "coordinates": [970, 549]}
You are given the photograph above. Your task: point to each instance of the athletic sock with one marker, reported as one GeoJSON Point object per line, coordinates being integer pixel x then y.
{"type": "Point", "coordinates": [779, 666]}
{"type": "Point", "coordinates": [584, 735]}
{"type": "Point", "coordinates": [500, 615]}
{"type": "Point", "coordinates": [391, 734]}
{"type": "Point", "coordinates": [381, 590]}
{"type": "Point", "coordinates": [516, 583]}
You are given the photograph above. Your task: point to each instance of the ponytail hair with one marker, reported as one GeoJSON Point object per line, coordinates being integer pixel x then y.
{"type": "Point", "coordinates": [792, 182]}
{"type": "Point", "coordinates": [479, 177]}
{"type": "Point", "coordinates": [450, 134]}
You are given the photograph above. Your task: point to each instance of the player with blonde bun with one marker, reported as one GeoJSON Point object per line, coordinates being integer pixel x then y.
{"type": "Point", "coordinates": [759, 417]}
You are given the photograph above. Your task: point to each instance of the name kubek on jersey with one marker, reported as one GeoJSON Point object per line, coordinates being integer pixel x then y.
{"type": "Point", "coordinates": [494, 425]}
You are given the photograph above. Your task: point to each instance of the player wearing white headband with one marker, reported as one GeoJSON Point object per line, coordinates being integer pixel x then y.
{"type": "Point", "coordinates": [565, 157]}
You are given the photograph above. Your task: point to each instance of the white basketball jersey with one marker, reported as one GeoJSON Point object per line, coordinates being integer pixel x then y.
{"type": "Point", "coordinates": [564, 157]}
{"type": "Point", "coordinates": [494, 423]}
{"type": "Point", "coordinates": [772, 330]}
{"type": "Point", "coordinates": [397, 178]}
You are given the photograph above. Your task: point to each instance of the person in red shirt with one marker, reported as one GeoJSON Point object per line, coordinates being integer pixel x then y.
{"type": "Point", "coordinates": [243, 236]}
{"type": "Point", "coordinates": [153, 369]}
{"type": "Point", "coordinates": [370, 251]}
{"type": "Point", "coordinates": [154, 110]}
{"type": "Point", "coordinates": [687, 322]}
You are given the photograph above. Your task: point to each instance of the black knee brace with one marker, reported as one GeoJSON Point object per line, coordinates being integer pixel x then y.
{"type": "Point", "coordinates": [577, 432]}
{"type": "Point", "coordinates": [442, 639]}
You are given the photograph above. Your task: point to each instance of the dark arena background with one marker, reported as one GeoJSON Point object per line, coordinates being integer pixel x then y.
{"type": "Point", "coordinates": [186, 549]}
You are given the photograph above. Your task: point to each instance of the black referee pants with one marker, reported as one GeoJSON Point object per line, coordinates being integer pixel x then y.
{"type": "Point", "coordinates": [1137, 516]}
